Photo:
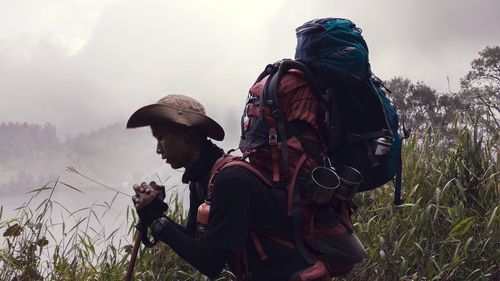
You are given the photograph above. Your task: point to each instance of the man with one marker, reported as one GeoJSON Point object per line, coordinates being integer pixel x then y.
{"type": "Point", "coordinates": [240, 205]}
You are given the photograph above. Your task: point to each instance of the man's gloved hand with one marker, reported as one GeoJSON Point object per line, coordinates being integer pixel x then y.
{"type": "Point", "coordinates": [148, 201]}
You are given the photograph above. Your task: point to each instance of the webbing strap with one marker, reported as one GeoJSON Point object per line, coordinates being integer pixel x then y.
{"type": "Point", "coordinates": [298, 231]}
{"type": "Point", "coordinates": [284, 156]}
{"type": "Point", "coordinates": [241, 265]}
{"type": "Point", "coordinates": [261, 107]}
{"type": "Point", "coordinates": [308, 147]}
{"type": "Point", "coordinates": [398, 182]}
{"type": "Point", "coordinates": [199, 191]}
{"type": "Point", "coordinates": [271, 96]}
{"type": "Point", "coordinates": [293, 183]}
{"type": "Point", "coordinates": [278, 116]}
{"type": "Point", "coordinates": [369, 135]}
{"type": "Point", "coordinates": [219, 163]}
{"type": "Point", "coordinates": [258, 246]}
{"type": "Point", "coordinates": [254, 171]}
{"type": "Point", "coordinates": [284, 242]}
{"type": "Point", "coordinates": [276, 164]}
{"type": "Point", "coordinates": [228, 161]}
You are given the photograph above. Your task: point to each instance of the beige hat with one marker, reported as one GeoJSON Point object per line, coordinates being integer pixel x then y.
{"type": "Point", "coordinates": [177, 109]}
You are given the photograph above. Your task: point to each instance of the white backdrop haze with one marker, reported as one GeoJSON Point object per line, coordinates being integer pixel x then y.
{"type": "Point", "coordinates": [86, 65]}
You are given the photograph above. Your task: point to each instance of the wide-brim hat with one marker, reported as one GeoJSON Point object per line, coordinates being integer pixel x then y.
{"type": "Point", "coordinates": [177, 109]}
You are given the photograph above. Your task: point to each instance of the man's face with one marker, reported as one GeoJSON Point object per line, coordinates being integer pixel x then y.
{"type": "Point", "coordinates": [173, 145]}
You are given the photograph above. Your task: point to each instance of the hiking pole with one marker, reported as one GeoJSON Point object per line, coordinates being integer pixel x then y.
{"type": "Point", "coordinates": [139, 238]}
{"type": "Point", "coordinates": [133, 257]}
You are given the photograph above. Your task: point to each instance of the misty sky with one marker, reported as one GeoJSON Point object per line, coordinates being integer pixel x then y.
{"type": "Point", "coordinates": [84, 64]}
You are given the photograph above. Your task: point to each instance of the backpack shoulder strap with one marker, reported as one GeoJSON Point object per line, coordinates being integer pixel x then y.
{"type": "Point", "coordinates": [228, 161]}
{"type": "Point", "coordinates": [271, 94]}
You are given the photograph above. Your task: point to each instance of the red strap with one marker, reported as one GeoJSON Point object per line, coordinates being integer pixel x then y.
{"type": "Point", "coordinates": [276, 164]}
{"type": "Point", "coordinates": [241, 265]}
{"type": "Point", "coordinates": [219, 163]}
{"type": "Point", "coordinates": [199, 191]}
{"type": "Point", "coordinates": [286, 243]}
{"type": "Point", "coordinates": [228, 161]}
{"type": "Point", "coordinates": [252, 169]}
{"type": "Point", "coordinates": [245, 262]}
{"type": "Point", "coordinates": [258, 246]}
{"type": "Point", "coordinates": [237, 265]}
{"type": "Point", "coordinates": [318, 271]}
{"type": "Point", "coordinates": [291, 188]}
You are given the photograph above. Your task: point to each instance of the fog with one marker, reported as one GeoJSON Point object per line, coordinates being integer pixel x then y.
{"type": "Point", "coordinates": [84, 66]}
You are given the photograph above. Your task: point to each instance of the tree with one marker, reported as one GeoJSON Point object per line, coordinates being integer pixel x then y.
{"type": "Point", "coordinates": [421, 107]}
{"type": "Point", "coordinates": [480, 89]}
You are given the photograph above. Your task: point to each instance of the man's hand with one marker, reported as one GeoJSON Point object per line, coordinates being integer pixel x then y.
{"type": "Point", "coordinates": [148, 201]}
{"type": "Point", "coordinates": [146, 193]}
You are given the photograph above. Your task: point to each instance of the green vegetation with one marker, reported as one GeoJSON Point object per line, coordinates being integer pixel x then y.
{"type": "Point", "coordinates": [447, 229]}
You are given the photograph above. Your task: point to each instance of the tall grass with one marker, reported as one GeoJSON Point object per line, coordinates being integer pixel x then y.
{"type": "Point", "coordinates": [447, 229]}
{"type": "Point", "coordinates": [48, 241]}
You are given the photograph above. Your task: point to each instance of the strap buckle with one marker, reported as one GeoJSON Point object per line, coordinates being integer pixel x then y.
{"type": "Point", "coordinates": [276, 113]}
{"type": "Point", "coordinates": [273, 136]}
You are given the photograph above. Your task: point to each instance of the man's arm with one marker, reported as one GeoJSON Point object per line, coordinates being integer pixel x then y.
{"type": "Point", "coordinates": [227, 229]}
{"type": "Point", "coordinates": [207, 260]}
{"type": "Point", "coordinates": [151, 208]}
{"type": "Point", "coordinates": [190, 228]}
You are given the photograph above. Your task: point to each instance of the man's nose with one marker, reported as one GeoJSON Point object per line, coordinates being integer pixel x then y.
{"type": "Point", "coordinates": [158, 148]}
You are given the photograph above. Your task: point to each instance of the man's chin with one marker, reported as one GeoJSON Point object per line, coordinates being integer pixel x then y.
{"type": "Point", "coordinates": [174, 166]}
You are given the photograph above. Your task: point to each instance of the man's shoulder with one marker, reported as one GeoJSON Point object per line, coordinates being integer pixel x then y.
{"type": "Point", "coordinates": [238, 174]}
{"type": "Point", "coordinates": [236, 171]}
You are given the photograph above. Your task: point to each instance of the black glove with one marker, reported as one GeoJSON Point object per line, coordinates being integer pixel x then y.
{"type": "Point", "coordinates": [144, 234]}
{"type": "Point", "coordinates": [151, 212]}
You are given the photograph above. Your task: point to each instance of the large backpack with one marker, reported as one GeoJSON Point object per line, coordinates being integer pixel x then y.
{"type": "Point", "coordinates": [322, 233]}
{"type": "Point", "coordinates": [358, 125]}
{"type": "Point", "coordinates": [325, 108]}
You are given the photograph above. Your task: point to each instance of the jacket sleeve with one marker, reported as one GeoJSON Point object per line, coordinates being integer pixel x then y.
{"type": "Point", "coordinates": [190, 228]}
{"type": "Point", "coordinates": [207, 260]}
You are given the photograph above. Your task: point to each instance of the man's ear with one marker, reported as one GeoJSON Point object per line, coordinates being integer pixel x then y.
{"type": "Point", "coordinates": [194, 136]}
{"type": "Point", "coordinates": [185, 132]}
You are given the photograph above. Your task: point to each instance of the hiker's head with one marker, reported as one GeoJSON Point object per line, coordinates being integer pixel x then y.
{"type": "Point", "coordinates": [180, 125]}
{"type": "Point", "coordinates": [178, 145]}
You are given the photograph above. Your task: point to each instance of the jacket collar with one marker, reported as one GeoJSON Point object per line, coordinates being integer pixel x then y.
{"type": "Point", "coordinates": [201, 167]}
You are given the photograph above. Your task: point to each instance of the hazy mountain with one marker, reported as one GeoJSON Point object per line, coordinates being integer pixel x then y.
{"type": "Point", "coordinates": [31, 155]}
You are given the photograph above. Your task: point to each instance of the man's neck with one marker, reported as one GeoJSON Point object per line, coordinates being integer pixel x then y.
{"type": "Point", "coordinates": [205, 157]}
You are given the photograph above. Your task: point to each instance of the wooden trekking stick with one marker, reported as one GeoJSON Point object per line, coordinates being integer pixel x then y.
{"type": "Point", "coordinates": [133, 257]}
{"type": "Point", "coordinates": [138, 235]}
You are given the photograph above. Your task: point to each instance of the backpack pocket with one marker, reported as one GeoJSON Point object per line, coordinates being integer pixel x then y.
{"type": "Point", "coordinates": [330, 236]}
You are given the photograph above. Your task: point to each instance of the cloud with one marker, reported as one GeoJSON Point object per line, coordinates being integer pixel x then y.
{"type": "Point", "coordinates": [82, 65]}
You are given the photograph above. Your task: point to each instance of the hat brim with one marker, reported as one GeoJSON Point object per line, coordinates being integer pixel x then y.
{"type": "Point", "coordinates": [162, 113]}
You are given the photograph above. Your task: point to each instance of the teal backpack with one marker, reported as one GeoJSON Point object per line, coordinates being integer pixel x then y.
{"type": "Point", "coordinates": [356, 126]}
{"type": "Point", "coordinates": [361, 123]}
{"type": "Point", "coordinates": [360, 126]}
